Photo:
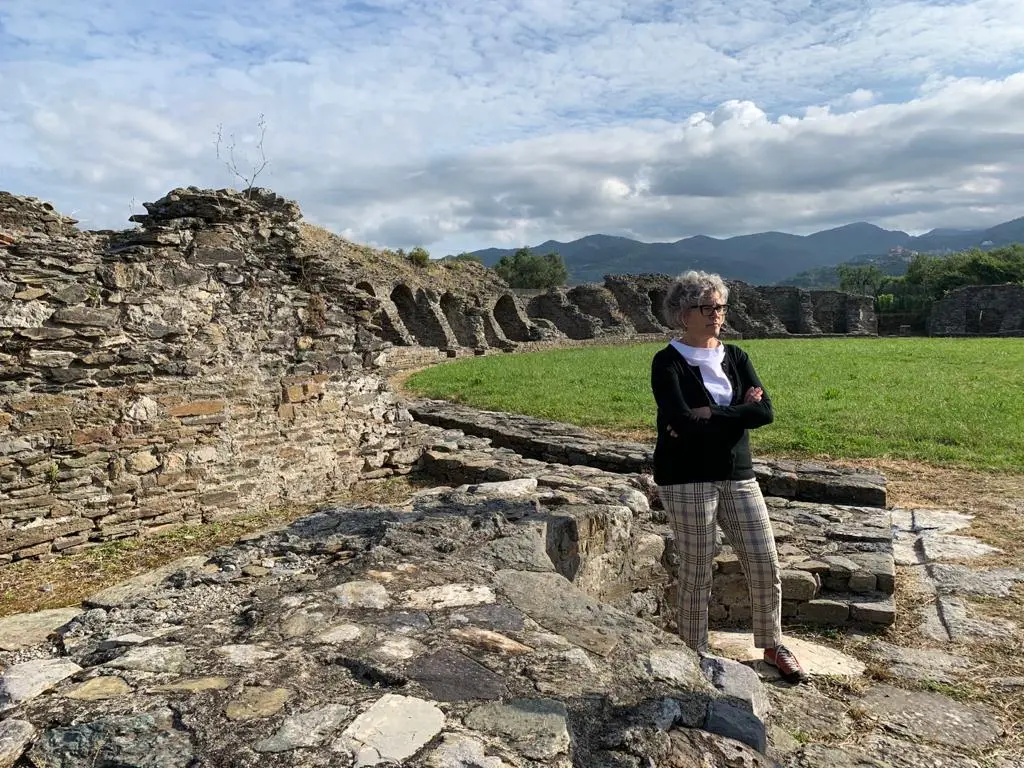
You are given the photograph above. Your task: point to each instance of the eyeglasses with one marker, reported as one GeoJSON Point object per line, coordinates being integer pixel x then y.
{"type": "Point", "coordinates": [710, 310]}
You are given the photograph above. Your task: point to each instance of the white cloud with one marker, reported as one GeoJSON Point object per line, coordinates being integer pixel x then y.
{"type": "Point", "coordinates": [466, 123]}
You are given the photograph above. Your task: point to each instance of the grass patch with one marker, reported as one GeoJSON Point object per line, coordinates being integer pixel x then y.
{"type": "Point", "coordinates": [951, 402]}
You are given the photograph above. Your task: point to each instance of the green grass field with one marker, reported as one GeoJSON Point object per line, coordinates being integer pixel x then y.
{"type": "Point", "coordinates": [943, 401]}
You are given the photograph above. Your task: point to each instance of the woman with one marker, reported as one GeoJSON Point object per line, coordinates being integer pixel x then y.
{"type": "Point", "coordinates": [708, 396]}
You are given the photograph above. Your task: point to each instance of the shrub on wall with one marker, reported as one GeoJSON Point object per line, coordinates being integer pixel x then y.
{"type": "Point", "coordinates": [419, 256]}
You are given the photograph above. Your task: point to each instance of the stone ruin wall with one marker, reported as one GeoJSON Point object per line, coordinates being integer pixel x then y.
{"type": "Point", "coordinates": [212, 361]}
{"type": "Point", "coordinates": [175, 373]}
{"type": "Point", "coordinates": [426, 325]}
{"type": "Point", "coordinates": [979, 310]}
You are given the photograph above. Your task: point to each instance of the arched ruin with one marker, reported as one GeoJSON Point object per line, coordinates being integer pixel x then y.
{"type": "Point", "coordinates": [464, 322]}
{"type": "Point", "coordinates": [420, 317]}
{"type": "Point", "coordinates": [511, 319]}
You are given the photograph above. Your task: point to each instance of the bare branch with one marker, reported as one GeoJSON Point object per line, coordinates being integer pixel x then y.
{"type": "Point", "coordinates": [248, 180]}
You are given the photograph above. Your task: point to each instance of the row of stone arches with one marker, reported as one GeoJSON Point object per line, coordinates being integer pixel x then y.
{"type": "Point", "coordinates": [407, 316]}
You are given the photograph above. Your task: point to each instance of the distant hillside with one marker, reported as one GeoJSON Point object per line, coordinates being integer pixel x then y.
{"type": "Point", "coordinates": [764, 258]}
{"type": "Point", "coordinates": [894, 264]}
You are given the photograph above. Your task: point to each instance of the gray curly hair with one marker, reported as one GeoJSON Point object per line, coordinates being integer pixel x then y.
{"type": "Point", "coordinates": [687, 291]}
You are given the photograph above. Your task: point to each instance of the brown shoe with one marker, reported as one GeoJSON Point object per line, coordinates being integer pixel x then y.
{"type": "Point", "coordinates": [783, 660]}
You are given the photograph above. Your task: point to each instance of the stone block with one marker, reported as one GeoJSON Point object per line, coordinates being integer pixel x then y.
{"type": "Point", "coordinates": [824, 612]}
{"type": "Point", "coordinates": [728, 563]}
{"type": "Point", "coordinates": [100, 318]}
{"type": "Point", "coordinates": [90, 436]}
{"type": "Point", "coordinates": [731, 589]}
{"type": "Point", "coordinates": [799, 585]}
{"type": "Point", "coordinates": [142, 462]}
{"type": "Point", "coordinates": [882, 565]}
{"type": "Point", "coordinates": [70, 541]}
{"type": "Point", "coordinates": [862, 581]}
{"type": "Point", "coordinates": [197, 408]}
{"type": "Point", "coordinates": [37, 551]}
{"type": "Point", "coordinates": [882, 612]}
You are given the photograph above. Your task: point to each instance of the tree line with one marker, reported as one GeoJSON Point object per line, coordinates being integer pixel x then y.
{"type": "Point", "coordinates": [929, 278]}
{"type": "Point", "coordinates": [525, 269]}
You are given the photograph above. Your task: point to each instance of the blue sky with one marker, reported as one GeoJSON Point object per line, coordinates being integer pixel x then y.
{"type": "Point", "coordinates": [468, 123]}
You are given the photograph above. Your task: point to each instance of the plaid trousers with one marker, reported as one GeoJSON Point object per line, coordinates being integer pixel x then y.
{"type": "Point", "coordinates": [739, 509]}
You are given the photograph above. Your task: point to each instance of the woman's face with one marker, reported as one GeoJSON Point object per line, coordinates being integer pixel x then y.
{"type": "Point", "coordinates": [706, 319]}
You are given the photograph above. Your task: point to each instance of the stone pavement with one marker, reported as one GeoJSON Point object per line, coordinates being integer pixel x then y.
{"type": "Point", "coordinates": [501, 622]}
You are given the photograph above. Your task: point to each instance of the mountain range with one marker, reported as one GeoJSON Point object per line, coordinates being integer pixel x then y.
{"type": "Point", "coordinates": [765, 258]}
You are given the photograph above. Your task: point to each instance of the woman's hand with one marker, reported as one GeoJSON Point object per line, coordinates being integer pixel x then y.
{"type": "Point", "coordinates": [753, 395]}
{"type": "Point", "coordinates": [697, 414]}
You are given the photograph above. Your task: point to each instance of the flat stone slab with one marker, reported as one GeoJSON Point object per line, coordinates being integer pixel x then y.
{"type": "Point", "coordinates": [306, 729]}
{"type": "Point", "coordinates": [458, 751]}
{"type": "Point", "coordinates": [522, 488]}
{"type": "Point", "coordinates": [919, 663]}
{"type": "Point", "coordinates": [837, 757]}
{"type": "Point", "coordinates": [126, 592]}
{"type": "Point", "coordinates": [501, 618]}
{"type": "Point", "coordinates": [554, 603]}
{"type": "Point", "coordinates": [816, 659]}
{"type": "Point", "coordinates": [932, 717]}
{"type": "Point", "coordinates": [393, 729]}
{"type": "Point", "coordinates": [447, 596]}
{"type": "Point", "coordinates": [362, 594]}
{"type": "Point", "coordinates": [257, 702]}
{"type": "Point", "coordinates": [399, 649]}
{"type": "Point", "coordinates": [958, 621]}
{"type": "Point", "coordinates": [26, 630]}
{"type": "Point", "coordinates": [960, 580]}
{"type": "Point", "coordinates": [536, 727]}
{"type": "Point", "coordinates": [452, 676]}
{"type": "Point", "coordinates": [810, 712]}
{"type": "Point", "coordinates": [675, 666]}
{"type": "Point", "coordinates": [27, 680]}
{"type": "Point", "coordinates": [100, 689]}
{"type": "Point", "coordinates": [939, 520]}
{"type": "Point", "coordinates": [148, 739]}
{"type": "Point", "coordinates": [941, 547]}
{"type": "Point", "coordinates": [152, 658]}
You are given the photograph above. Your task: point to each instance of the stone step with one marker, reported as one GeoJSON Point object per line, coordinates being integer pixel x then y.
{"type": "Point", "coordinates": [837, 560]}
{"type": "Point", "coordinates": [562, 443]}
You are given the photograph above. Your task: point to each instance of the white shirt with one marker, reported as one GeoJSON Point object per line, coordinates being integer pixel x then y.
{"type": "Point", "coordinates": [709, 361]}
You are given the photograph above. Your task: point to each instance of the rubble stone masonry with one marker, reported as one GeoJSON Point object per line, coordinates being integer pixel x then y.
{"type": "Point", "coordinates": [178, 372]}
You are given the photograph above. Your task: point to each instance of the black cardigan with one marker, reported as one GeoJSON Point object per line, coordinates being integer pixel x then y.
{"type": "Point", "coordinates": [711, 449]}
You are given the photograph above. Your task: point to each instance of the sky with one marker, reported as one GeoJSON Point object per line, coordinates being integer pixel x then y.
{"type": "Point", "coordinates": [465, 124]}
